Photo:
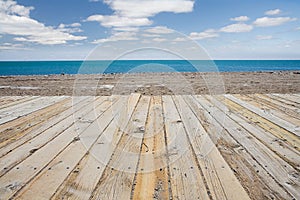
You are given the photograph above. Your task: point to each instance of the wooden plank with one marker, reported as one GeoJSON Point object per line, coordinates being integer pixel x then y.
{"type": "Point", "coordinates": [14, 112]}
{"type": "Point", "coordinates": [283, 150]}
{"type": "Point", "coordinates": [273, 104]}
{"type": "Point", "coordinates": [284, 173]}
{"type": "Point", "coordinates": [268, 109]}
{"type": "Point", "coordinates": [152, 177]}
{"type": "Point", "coordinates": [282, 134]}
{"type": "Point", "coordinates": [117, 179]}
{"type": "Point", "coordinates": [44, 185]}
{"type": "Point", "coordinates": [289, 98]}
{"type": "Point", "coordinates": [245, 166]}
{"type": "Point", "coordinates": [21, 174]}
{"type": "Point", "coordinates": [16, 156]}
{"type": "Point", "coordinates": [13, 130]}
{"type": "Point", "coordinates": [186, 178]}
{"type": "Point", "coordinates": [280, 122]}
{"type": "Point", "coordinates": [274, 100]}
{"type": "Point", "coordinates": [14, 100]}
{"type": "Point", "coordinates": [33, 132]}
{"type": "Point", "coordinates": [81, 183]}
{"type": "Point", "coordinates": [220, 178]}
{"type": "Point", "coordinates": [284, 101]}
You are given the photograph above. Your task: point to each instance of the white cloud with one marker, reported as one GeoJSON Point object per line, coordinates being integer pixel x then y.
{"type": "Point", "coordinates": [70, 28]}
{"type": "Point", "coordinates": [146, 8]}
{"type": "Point", "coordinates": [15, 20]}
{"type": "Point", "coordinates": [298, 28]}
{"type": "Point", "coordinates": [273, 12]}
{"type": "Point", "coordinates": [159, 30]}
{"type": "Point", "coordinates": [150, 35]}
{"type": "Point", "coordinates": [94, 0]}
{"type": "Point", "coordinates": [240, 19]}
{"type": "Point", "coordinates": [136, 13]}
{"type": "Point", "coordinates": [11, 46]}
{"type": "Point", "coordinates": [118, 21]}
{"type": "Point", "coordinates": [128, 29]}
{"type": "Point", "coordinates": [180, 39]}
{"type": "Point", "coordinates": [75, 25]}
{"type": "Point", "coordinates": [129, 15]}
{"type": "Point", "coordinates": [264, 37]}
{"type": "Point", "coordinates": [210, 33]}
{"type": "Point", "coordinates": [276, 21]}
{"type": "Point", "coordinates": [159, 39]}
{"type": "Point", "coordinates": [118, 36]}
{"type": "Point", "coordinates": [237, 28]}
{"type": "Point", "coordinates": [10, 7]}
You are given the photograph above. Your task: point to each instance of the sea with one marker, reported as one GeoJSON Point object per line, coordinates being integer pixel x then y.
{"type": "Point", "coordinates": [140, 66]}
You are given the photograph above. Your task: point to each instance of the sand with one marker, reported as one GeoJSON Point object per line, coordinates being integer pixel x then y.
{"type": "Point", "coordinates": [153, 83]}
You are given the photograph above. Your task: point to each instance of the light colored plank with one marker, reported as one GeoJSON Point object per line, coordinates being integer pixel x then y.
{"type": "Point", "coordinates": [45, 184]}
{"type": "Point", "coordinates": [13, 130]}
{"type": "Point", "coordinates": [18, 177]}
{"type": "Point", "coordinates": [14, 112]}
{"type": "Point", "coordinates": [272, 110]}
{"type": "Point", "coordinates": [152, 182]}
{"type": "Point", "coordinates": [274, 100]}
{"type": "Point", "coordinates": [117, 179]}
{"type": "Point", "coordinates": [37, 130]}
{"type": "Point", "coordinates": [284, 101]}
{"type": "Point", "coordinates": [187, 181]}
{"type": "Point", "coordinates": [81, 183]}
{"type": "Point", "coordinates": [283, 150]}
{"type": "Point", "coordinates": [276, 105]}
{"type": "Point", "coordinates": [290, 98]}
{"type": "Point", "coordinates": [245, 166]}
{"type": "Point", "coordinates": [27, 149]}
{"type": "Point", "coordinates": [13, 100]}
{"type": "Point", "coordinates": [285, 174]}
{"type": "Point", "coordinates": [281, 133]}
{"type": "Point", "coordinates": [280, 122]}
{"type": "Point", "coordinates": [220, 178]}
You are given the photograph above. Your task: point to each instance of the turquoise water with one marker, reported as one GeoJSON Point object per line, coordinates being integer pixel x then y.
{"type": "Point", "coordinates": [128, 66]}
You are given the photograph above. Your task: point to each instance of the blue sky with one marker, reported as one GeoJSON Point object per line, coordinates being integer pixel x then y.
{"type": "Point", "coordinates": [226, 29]}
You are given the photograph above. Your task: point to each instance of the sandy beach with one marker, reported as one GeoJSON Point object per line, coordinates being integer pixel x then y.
{"type": "Point", "coordinates": [153, 83]}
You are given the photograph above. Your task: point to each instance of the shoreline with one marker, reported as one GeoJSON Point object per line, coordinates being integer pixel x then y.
{"type": "Point", "coordinates": [137, 73]}
{"type": "Point", "coordinates": [153, 83]}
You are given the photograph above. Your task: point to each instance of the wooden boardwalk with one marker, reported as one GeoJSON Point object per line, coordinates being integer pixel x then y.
{"type": "Point", "coordinates": [150, 147]}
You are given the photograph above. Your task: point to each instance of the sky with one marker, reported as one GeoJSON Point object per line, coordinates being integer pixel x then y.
{"type": "Point", "coordinates": [75, 29]}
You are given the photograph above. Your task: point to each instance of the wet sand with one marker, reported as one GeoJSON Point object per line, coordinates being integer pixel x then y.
{"type": "Point", "coordinates": [153, 83]}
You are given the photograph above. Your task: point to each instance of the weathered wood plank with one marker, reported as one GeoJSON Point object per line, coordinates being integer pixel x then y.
{"type": "Point", "coordinates": [275, 101]}
{"type": "Point", "coordinates": [274, 105]}
{"type": "Point", "coordinates": [284, 101]}
{"type": "Point", "coordinates": [81, 183]}
{"type": "Point", "coordinates": [117, 179]}
{"type": "Point", "coordinates": [220, 178]}
{"type": "Point", "coordinates": [27, 149]}
{"type": "Point", "coordinates": [14, 100]}
{"type": "Point", "coordinates": [280, 122]}
{"type": "Point", "coordinates": [267, 109]}
{"type": "Point", "coordinates": [289, 98]}
{"type": "Point", "coordinates": [152, 177]}
{"type": "Point", "coordinates": [187, 180]}
{"type": "Point", "coordinates": [245, 166]}
{"type": "Point", "coordinates": [44, 185]}
{"type": "Point", "coordinates": [14, 112]}
{"type": "Point", "coordinates": [15, 179]}
{"type": "Point", "coordinates": [52, 122]}
{"type": "Point", "coordinates": [13, 130]}
{"type": "Point", "coordinates": [283, 150]}
{"type": "Point", "coordinates": [284, 173]}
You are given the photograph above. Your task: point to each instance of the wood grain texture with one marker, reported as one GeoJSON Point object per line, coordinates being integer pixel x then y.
{"type": "Point", "coordinates": [150, 147]}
